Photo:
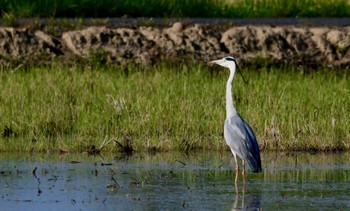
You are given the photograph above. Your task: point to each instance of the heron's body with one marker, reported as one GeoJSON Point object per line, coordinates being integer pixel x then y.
{"type": "Point", "coordinates": [241, 139]}
{"type": "Point", "coordinates": [238, 134]}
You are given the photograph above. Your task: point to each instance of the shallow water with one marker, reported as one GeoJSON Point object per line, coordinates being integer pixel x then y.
{"type": "Point", "coordinates": [199, 181]}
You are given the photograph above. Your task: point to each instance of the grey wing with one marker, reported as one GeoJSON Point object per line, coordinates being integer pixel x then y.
{"type": "Point", "coordinates": [242, 141]}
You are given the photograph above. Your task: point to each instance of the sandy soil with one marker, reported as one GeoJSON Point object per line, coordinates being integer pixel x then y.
{"type": "Point", "coordinates": [296, 45]}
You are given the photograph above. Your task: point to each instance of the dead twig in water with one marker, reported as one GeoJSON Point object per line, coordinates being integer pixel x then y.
{"type": "Point", "coordinates": [180, 162]}
{"type": "Point", "coordinates": [106, 164]}
{"type": "Point", "coordinates": [34, 171]}
{"type": "Point", "coordinates": [105, 143]}
{"type": "Point", "coordinates": [113, 186]}
{"type": "Point", "coordinates": [126, 147]}
{"type": "Point", "coordinates": [96, 151]}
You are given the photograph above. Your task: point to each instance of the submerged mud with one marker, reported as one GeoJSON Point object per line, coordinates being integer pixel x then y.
{"type": "Point", "coordinates": [295, 45]}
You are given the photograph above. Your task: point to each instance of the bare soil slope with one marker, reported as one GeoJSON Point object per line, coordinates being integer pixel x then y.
{"type": "Point", "coordinates": [299, 45]}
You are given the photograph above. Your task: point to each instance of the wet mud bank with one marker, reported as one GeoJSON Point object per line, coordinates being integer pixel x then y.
{"type": "Point", "coordinates": [292, 45]}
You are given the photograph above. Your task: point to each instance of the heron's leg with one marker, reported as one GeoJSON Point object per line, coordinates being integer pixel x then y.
{"type": "Point", "coordinates": [243, 171]}
{"type": "Point", "coordinates": [236, 185]}
{"type": "Point", "coordinates": [243, 188]}
{"type": "Point", "coordinates": [243, 167]}
{"type": "Point", "coordinates": [237, 169]}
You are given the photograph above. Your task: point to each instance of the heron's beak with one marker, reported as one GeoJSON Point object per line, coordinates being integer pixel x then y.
{"type": "Point", "coordinates": [219, 61]}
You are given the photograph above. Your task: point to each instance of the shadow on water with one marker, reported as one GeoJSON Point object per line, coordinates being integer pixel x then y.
{"type": "Point", "coordinates": [198, 181]}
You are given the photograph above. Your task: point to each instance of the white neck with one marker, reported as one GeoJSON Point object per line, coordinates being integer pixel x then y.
{"type": "Point", "coordinates": [230, 109]}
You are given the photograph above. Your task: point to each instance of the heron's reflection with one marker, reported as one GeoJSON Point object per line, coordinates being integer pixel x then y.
{"type": "Point", "coordinates": [245, 201]}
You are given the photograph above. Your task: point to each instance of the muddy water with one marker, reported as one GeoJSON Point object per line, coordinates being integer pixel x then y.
{"type": "Point", "coordinates": [173, 181]}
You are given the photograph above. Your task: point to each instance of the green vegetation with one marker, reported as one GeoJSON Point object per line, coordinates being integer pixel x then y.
{"type": "Point", "coordinates": [175, 8]}
{"type": "Point", "coordinates": [169, 107]}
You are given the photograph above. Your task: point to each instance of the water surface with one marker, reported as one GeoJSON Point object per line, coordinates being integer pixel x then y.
{"type": "Point", "coordinates": [173, 181]}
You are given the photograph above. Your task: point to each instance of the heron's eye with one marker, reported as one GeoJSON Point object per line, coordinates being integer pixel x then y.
{"type": "Point", "coordinates": [229, 59]}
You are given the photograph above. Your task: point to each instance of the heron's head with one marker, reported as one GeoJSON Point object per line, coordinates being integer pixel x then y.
{"type": "Point", "coordinates": [228, 62]}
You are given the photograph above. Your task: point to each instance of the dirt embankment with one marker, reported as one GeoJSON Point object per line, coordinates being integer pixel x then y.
{"type": "Point", "coordinates": [299, 45]}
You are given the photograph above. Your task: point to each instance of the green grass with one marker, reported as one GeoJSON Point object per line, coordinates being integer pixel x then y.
{"type": "Point", "coordinates": [175, 8]}
{"type": "Point", "coordinates": [169, 107]}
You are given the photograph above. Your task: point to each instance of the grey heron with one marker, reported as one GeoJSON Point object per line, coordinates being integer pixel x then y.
{"type": "Point", "coordinates": [238, 134]}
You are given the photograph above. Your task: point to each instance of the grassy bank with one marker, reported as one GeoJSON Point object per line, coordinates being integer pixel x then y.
{"type": "Point", "coordinates": [175, 8]}
{"type": "Point", "coordinates": [169, 107]}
